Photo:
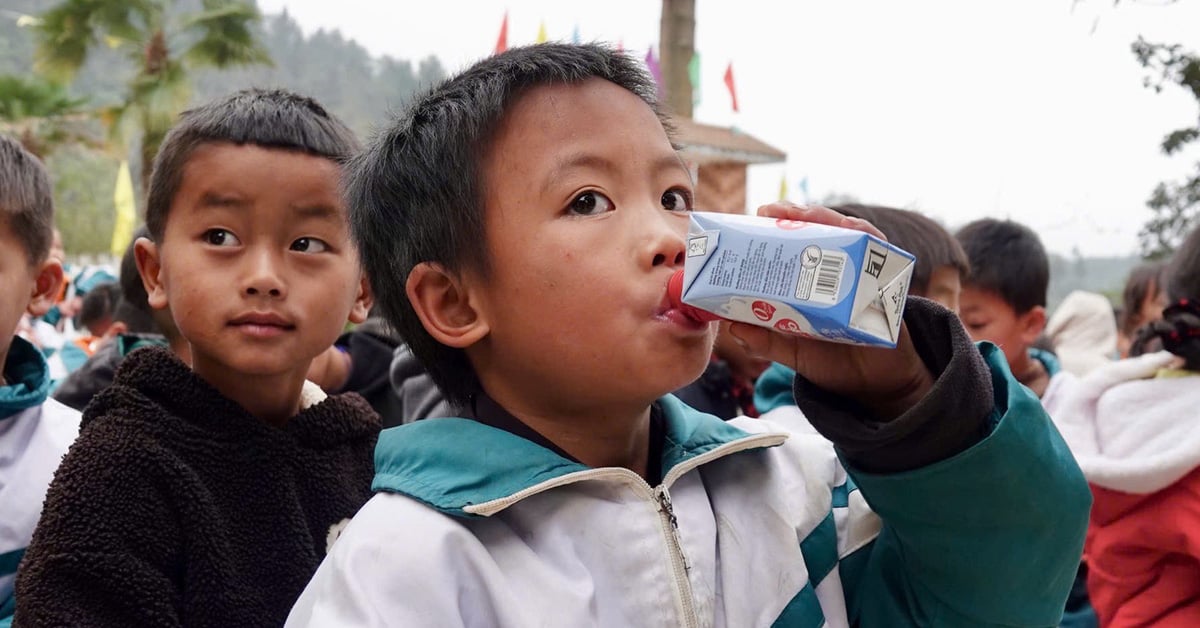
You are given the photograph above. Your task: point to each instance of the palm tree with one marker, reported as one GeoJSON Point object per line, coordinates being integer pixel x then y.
{"type": "Point", "coordinates": [164, 48]}
{"type": "Point", "coordinates": [42, 116]}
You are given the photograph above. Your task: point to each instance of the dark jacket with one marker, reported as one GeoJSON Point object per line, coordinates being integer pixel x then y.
{"type": "Point", "coordinates": [175, 507]}
{"type": "Point", "coordinates": [419, 397]}
{"type": "Point", "coordinates": [719, 393]}
{"type": "Point", "coordinates": [97, 373]}
{"type": "Point", "coordinates": [370, 358]}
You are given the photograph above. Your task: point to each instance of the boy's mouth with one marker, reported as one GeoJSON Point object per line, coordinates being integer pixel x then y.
{"type": "Point", "coordinates": [262, 323]}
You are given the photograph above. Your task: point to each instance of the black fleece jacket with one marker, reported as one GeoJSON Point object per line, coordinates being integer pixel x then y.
{"type": "Point", "coordinates": [175, 507]}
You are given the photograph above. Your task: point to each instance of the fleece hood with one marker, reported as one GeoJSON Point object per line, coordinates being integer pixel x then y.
{"type": "Point", "coordinates": [1131, 431]}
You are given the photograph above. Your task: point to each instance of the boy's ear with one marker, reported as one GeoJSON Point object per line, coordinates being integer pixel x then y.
{"type": "Point", "coordinates": [1032, 324]}
{"type": "Point", "coordinates": [46, 287]}
{"type": "Point", "coordinates": [444, 306]}
{"type": "Point", "coordinates": [149, 266]}
{"type": "Point", "coordinates": [362, 301]}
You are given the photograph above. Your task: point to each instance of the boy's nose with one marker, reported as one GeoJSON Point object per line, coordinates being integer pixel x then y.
{"type": "Point", "coordinates": [667, 244]}
{"type": "Point", "coordinates": [263, 277]}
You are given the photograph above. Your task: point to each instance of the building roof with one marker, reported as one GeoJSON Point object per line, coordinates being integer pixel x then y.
{"type": "Point", "coordinates": [704, 143]}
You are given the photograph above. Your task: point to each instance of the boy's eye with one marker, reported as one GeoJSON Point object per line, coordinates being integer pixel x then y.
{"type": "Point", "coordinates": [589, 203]}
{"type": "Point", "coordinates": [677, 201]}
{"type": "Point", "coordinates": [220, 237]}
{"type": "Point", "coordinates": [309, 245]}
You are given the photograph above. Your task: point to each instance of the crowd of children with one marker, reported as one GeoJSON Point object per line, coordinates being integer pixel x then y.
{"type": "Point", "coordinates": [563, 447]}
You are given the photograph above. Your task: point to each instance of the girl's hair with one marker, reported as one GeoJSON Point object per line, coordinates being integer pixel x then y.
{"type": "Point", "coordinates": [1144, 282]}
{"type": "Point", "coordinates": [1179, 329]}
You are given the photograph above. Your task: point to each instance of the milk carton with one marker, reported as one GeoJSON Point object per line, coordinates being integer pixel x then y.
{"type": "Point", "coordinates": [801, 278]}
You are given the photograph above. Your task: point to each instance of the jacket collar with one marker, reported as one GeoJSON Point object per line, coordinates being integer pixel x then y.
{"type": "Point", "coordinates": [27, 378]}
{"type": "Point", "coordinates": [454, 465]}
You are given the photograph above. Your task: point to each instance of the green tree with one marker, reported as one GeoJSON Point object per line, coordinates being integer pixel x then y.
{"type": "Point", "coordinates": [43, 116]}
{"type": "Point", "coordinates": [83, 183]}
{"type": "Point", "coordinates": [164, 48]}
{"type": "Point", "coordinates": [1176, 204]}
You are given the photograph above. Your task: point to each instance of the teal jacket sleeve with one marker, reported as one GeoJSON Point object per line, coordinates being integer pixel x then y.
{"type": "Point", "coordinates": [991, 536]}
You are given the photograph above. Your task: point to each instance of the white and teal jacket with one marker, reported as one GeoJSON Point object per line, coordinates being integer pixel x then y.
{"type": "Point", "coordinates": [750, 526]}
{"type": "Point", "coordinates": [35, 433]}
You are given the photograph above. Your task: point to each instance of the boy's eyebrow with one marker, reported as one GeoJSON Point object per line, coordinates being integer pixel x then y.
{"type": "Point", "coordinates": [215, 199]}
{"type": "Point", "coordinates": [590, 160]}
{"type": "Point", "coordinates": [319, 210]}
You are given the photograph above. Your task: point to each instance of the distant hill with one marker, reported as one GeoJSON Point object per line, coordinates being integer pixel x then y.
{"type": "Point", "coordinates": [359, 88]}
{"type": "Point", "coordinates": [337, 71]}
{"type": "Point", "coordinates": [1105, 275]}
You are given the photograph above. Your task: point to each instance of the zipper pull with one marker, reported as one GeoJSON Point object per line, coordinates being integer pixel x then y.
{"type": "Point", "coordinates": [664, 506]}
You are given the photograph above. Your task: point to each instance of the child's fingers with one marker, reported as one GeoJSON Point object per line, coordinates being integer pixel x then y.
{"type": "Point", "coordinates": [820, 215]}
{"type": "Point", "coordinates": [761, 342]}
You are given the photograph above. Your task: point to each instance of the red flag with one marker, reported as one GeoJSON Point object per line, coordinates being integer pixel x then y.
{"type": "Point", "coordinates": [729, 84]}
{"type": "Point", "coordinates": [502, 41]}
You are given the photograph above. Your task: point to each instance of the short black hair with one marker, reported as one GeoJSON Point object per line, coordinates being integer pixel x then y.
{"type": "Point", "coordinates": [1007, 259]}
{"type": "Point", "coordinates": [267, 118]}
{"type": "Point", "coordinates": [26, 201]}
{"type": "Point", "coordinates": [416, 194]}
{"type": "Point", "coordinates": [99, 303]}
{"type": "Point", "coordinates": [918, 234]}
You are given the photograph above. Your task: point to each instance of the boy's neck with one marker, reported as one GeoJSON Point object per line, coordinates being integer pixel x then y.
{"type": "Point", "coordinates": [1031, 373]}
{"type": "Point", "coordinates": [594, 436]}
{"type": "Point", "coordinates": [274, 399]}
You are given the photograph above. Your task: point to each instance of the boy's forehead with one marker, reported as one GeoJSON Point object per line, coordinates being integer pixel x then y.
{"type": "Point", "coordinates": [977, 298]}
{"type": "Point", "coordinates": [570, 119]}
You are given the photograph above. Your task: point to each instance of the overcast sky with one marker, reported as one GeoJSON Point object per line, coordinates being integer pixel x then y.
{"type": "Point", "coordinates": [1028, 109]}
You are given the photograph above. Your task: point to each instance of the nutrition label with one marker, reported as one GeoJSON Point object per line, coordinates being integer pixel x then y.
{"type": "Point", "coordinates": [762, 267]}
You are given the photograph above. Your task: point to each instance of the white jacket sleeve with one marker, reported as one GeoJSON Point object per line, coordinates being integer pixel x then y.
{"type": "Point", "coordinates": [425, 571]}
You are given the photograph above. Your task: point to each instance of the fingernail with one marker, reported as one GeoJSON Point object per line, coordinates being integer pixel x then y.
{"type": "Point", "coordinates": [738, 339]}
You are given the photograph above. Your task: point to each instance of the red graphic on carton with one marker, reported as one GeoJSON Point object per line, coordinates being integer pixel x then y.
{"type": "Point", "coordinates": [790, 225]}
{"type": "Point", "coordinates": [788, 325]}
{"type": "Point", "coordinates": [763, 310]}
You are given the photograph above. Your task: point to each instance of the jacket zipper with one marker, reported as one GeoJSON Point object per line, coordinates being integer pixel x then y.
{"type": "Point", "coordinates": [679, 564]}
{"type": "Point", "coordinates": [662, 498]}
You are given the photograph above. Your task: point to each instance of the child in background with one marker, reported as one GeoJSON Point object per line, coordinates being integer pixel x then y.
{"type": "Point", "coordinates": [1142, 302]}
{"type": "Point", "coordinates": [135, 325]}
{"type": "Point", "coordinates": [940, 269]}
{"type": "Point", "coordinates": [1132, 427]}
{"type": "Point", "coordinates": [520, 223]}
{"type": "Point", "coordinates": [1082, 332]}
{"type": "Point", "coordinates": [1004, 301]}
{"type": "Point", "coordinates": [204, 496]}
{"type": "Point", "coordinates": [34, 431]}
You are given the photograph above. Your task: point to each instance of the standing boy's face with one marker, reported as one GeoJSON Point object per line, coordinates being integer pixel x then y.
{"type": "Point", "coordinates": [586, 215]}
{"type": "Point", "coordinates": [945, 287]}
{"type": "Point", "coordinates": [256, 261]}
{"type": "Point", "coordinates": [987, 316]}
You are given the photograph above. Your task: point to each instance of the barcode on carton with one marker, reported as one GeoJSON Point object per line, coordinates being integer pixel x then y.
{"type": "Point", "coordinates": [829, 276]}
{"type": "Point", "coordinates": [821, 273]}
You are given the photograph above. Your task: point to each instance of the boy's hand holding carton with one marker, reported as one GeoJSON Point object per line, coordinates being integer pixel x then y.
{"type": "Point", "coordinates": [887, 381]}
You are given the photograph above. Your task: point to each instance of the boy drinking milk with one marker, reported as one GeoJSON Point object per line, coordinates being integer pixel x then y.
{"type": "Point", "coordinates": [520, 223]}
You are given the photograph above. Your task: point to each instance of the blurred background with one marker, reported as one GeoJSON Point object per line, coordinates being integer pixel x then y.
{"type": "Point", "coordinates": [1078, 118]}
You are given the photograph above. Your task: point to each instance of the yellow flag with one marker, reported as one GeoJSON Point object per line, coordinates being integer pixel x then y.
{"type": "Point", "coordinates": [541, 39]}
{"type": "Point", "coordinates": [126, 212]}
{"type": "Point", "coordinates": [783, 191]}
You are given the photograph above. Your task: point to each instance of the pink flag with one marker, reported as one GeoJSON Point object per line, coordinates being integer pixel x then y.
{"type": "Point", "coordinates": [729, 84]}
{"type": "Point", "coordinates": [502, 41]}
